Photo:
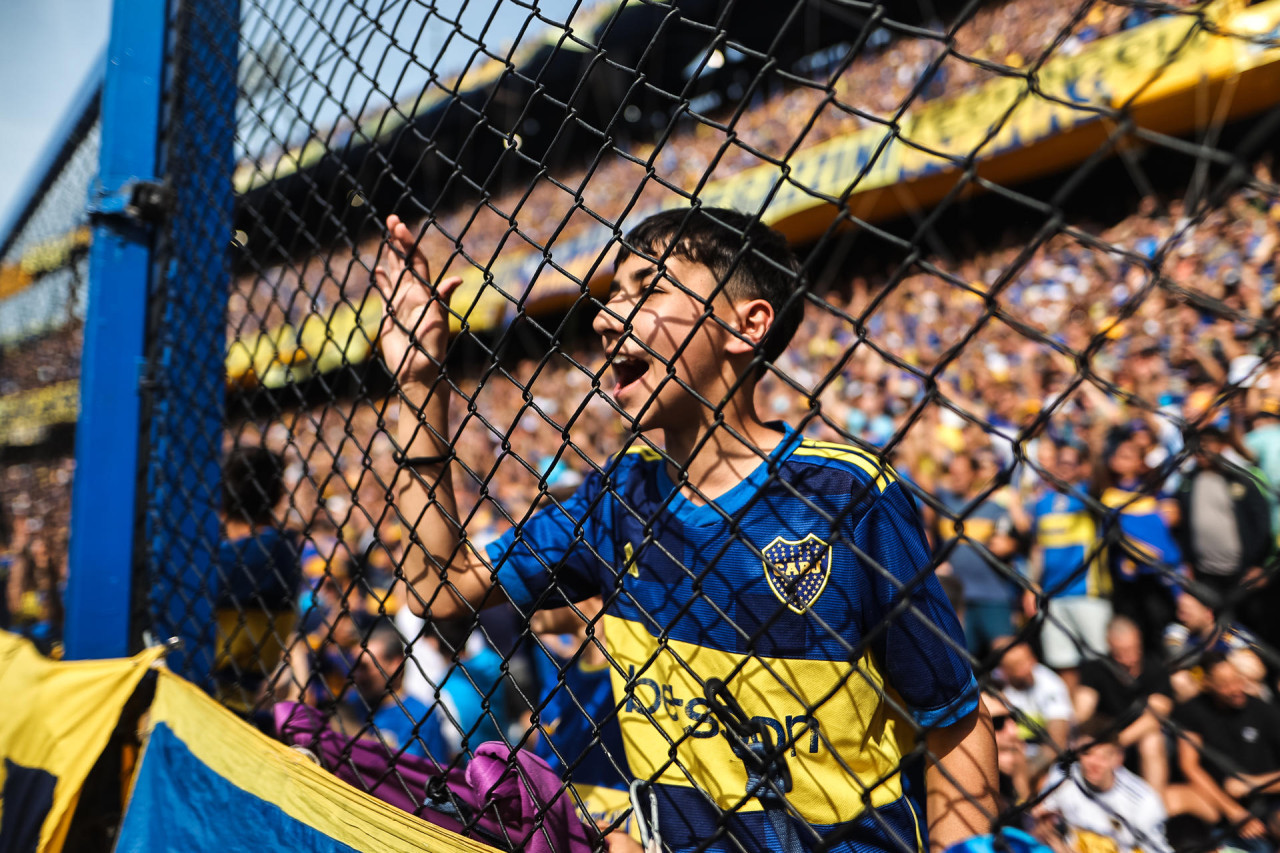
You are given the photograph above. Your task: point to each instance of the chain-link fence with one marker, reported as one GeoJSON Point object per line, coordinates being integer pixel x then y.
{"type": "Point", "coordinates": [528, 479]}
{"type": "Point", "coordinates": [43, 277]}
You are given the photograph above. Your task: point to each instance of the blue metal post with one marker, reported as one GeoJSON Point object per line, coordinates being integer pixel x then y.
{"type": "Point", "coordinates": [188, 358]}
{"type": "Point", "coordinates": [103, 504]}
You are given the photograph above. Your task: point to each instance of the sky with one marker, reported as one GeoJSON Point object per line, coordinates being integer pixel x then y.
{"type": "Point", "coordinates": [49, 47]}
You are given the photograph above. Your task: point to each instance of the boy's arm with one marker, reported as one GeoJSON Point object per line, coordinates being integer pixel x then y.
{"type": "Point", "coordinates": [448, 579]}
{"type": "Point", "coordinates": [924, 659]}
{"type": "Point", "coordinates": [961, 780]}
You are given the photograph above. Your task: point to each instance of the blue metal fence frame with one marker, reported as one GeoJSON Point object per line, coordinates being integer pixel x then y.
{"type": "Point", "coordinates": [104, 492]}
{"type": "Point", "coordinates": [152, 366]}
{"type": "Point", "coordinates": [188, 367]}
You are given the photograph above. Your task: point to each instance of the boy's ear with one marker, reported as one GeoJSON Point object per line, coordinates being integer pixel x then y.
{"type": "Point", "coordinates": [755, 318]}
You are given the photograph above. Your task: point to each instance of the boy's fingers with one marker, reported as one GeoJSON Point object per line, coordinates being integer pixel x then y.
{"type": "Point", "coordinates": [412, 248]}
{"type": "Point", "coordinates": [382, 281]}
{"type": "Point", "coordinates": [446, 288]}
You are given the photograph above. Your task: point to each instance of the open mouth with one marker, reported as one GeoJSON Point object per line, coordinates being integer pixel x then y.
{"type": "Point", "coordinates": [627, 371]}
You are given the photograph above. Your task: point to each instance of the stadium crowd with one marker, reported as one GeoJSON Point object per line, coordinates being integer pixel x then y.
{"type": "Point", "coordinates": [1107, 542]}
{"type": "Point", "coordinates": [1097, 465]}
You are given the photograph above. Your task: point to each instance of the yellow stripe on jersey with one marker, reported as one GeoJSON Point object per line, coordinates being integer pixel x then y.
{"type": "Point", "coordinates": [1064, 529]}
{"type": "Point", "coordinates": [976, 529]}
{"type": "Point", "coordinates": [1129, 502]}
{"type": "Point", "coordinates": [605, 805]}
{"type": "Point", "coordinates": [882, 474]}
{"type": "Point", "coordinates": [915, 819]}
{"type": "Point", "coordinates": [855, 728]}
{"type": "Point", "coordinates": [648, 454]}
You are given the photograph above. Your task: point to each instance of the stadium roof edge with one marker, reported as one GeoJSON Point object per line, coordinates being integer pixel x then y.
{"type": "Point", "coordinates": [80, 114]}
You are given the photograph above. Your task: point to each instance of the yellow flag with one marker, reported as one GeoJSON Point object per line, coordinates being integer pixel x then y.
{"type": "Point", "coordinates": [56, 722]}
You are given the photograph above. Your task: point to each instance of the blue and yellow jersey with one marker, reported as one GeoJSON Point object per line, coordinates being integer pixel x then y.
{"type": "Point", "coordinates": [814, 562]}
{"type": "Point", "coordinates": [1146, 543]}
{"type": "Point", "coordinates": [581, 738]}
{"type": "Point", "coordinates": [1073, 560]}
{"type": "Point", "coordinates": [258, 580]}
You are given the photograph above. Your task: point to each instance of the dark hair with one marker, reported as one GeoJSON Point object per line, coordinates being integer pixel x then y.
{"type": "Point", "coordinates": [1081, 450]}
{"type": "Point", "coordinates": [453, 634]}
{"type": "Point", "coordinates": [1100, 729]}
{"type": "Point", "coordinates": [1210, 660]}
{"type": "Point", "coordinates": [388, 640]}
{"type": "Point", "coordinates": [750, 258]}
{"type": "Point", "coordinates": [252, 484]}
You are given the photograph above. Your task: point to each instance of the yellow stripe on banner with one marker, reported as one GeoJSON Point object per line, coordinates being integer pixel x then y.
{"type": "Point", "coordinates": [845, 746]}
{"type": "Point", "coordinates": [882, 474]}
{"type": "Point", "coordinates": [284, 777]}
{"type": "Point", "coordinates": [63, 720]}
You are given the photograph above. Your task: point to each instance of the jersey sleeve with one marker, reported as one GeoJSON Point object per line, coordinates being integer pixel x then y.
{"type": "Point", "coordinates": [550, 559]}
{"type": "Point", "coordinates": [915, 633]}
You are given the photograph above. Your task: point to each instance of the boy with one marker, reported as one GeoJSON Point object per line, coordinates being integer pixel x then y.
{"type": "Point", "coordinates": [743, 569]}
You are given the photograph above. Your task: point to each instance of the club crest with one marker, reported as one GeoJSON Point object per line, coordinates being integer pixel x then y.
{"type": "Point", "coordinates": [797, 571]}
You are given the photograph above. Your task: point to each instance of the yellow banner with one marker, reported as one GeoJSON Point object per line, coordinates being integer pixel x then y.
{"type": "Point", "coordinates": [319, 344]}
{"type": "Point", "coordinates": [1171, 75]}
{"type": "Point", "coordinates": [40, 259]}
{"type": "Point", "coordinates": [1139, 70]}
{"type": "Point", "coordinates": [249, 780]}
{"type": "Point", "coordinates": [26, 416]}
{"type": "Point", "coordinates": [56, 724]}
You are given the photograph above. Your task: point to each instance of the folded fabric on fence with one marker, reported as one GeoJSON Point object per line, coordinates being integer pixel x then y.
{"type": "Point", "coordinates": [503, 796]}
{"type": "Point", "coordinates": [210, 781]}
{"type": "Point", "coordinates": [58, 718]}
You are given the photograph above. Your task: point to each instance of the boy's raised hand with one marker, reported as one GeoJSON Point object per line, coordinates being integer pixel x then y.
{"type": "Point", "coordinates": [415, 334]}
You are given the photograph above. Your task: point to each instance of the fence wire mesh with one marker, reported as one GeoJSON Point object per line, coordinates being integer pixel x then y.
{"type": "Point", "coordinates": [43, 281]}
{"type": "Point", "coordinates": [1032, 386]}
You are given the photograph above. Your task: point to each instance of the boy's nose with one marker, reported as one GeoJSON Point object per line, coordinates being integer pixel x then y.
{"type": "Point", "coordinates": [607, 323]}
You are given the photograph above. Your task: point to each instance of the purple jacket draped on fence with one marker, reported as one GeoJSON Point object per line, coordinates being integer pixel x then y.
{"type": "Point", "coordinates": [507, 797]}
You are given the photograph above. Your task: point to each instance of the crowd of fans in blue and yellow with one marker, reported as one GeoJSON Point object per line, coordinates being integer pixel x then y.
{"type": "Point", "coordinates": [1098, 468]}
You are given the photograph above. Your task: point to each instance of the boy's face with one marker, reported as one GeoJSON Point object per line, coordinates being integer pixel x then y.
{"type": "Point", "coordinates": [646, 321]}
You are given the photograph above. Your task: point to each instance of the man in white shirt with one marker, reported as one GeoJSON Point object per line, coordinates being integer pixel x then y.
{"type": "Point", "coordinates": [1041, 702]}
{"type": "Point", "coordinates": [1096, 805]}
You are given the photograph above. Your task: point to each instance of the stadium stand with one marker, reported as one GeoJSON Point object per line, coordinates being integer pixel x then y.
{"type": "Point", "coordinates": [1067, 358]}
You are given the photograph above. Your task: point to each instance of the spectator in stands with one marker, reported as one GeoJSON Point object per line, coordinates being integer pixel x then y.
{"type": "Point", "coordinates": [1068, 569]}
{"type": "Point", "coordinates": [1263, 442]}
{"type": "Point", "coordinates": [258, 576]}
{"type": "Point", "coordinates": [1041, 699]}
{"type": "Point", "coordinates": [579, 734]}
{"type": "Point", "coordinates": [35, 590]}
{"type": "Point", "coordinates": [1225, 522]}
{"type": "Point", "coordinates": [1096, 804]}
{"type": "Point", "coordinates": [1011, 753]}
{"type": "Point", "coordinates": [1145, 558]}
{"type": "Point", "coordinates": [1132, 690]}
{"type": "Point", "coordinates": [401, 722]}
{"type": "Point", "coordinates": [1196, 633]}
{"type": "Point", "coordinates": [1229, 751]}
{"type": "Point", "coordinates": [474, 689]}
{"type": "Point", "coordinates": [979, 556]}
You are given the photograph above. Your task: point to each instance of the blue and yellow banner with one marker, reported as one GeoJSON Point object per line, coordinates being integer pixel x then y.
{"type": "Point", "coordinates": [57, 720]}
{"type": "Point", "coordinates": [209, 781]}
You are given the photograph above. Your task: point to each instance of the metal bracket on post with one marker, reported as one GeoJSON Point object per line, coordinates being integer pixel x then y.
{"type": "Point", "coordinates": [138, 201]}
